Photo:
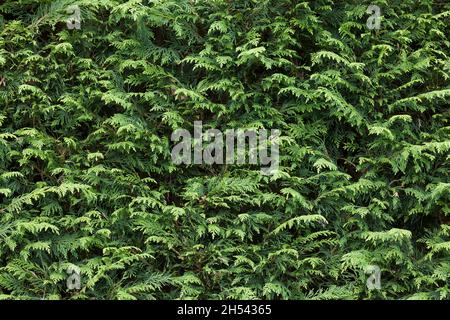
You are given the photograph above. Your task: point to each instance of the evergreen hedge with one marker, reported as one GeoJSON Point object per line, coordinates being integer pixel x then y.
{"type": "Point", "coordinates": [87, 180]}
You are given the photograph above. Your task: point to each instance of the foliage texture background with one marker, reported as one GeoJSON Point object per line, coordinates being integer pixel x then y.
{"type": "Point", "coordinates": [86, 177]}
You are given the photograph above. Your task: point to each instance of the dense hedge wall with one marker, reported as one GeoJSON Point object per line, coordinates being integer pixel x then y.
{"type": "Point", "coordinates": [86, 177]}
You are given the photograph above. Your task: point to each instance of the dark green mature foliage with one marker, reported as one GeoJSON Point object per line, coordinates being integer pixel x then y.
{"type": "Point", "coordinates": [86, 176]}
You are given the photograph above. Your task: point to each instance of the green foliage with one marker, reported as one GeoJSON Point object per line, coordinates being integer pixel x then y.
{"type": "Point", "coordinates": [86, 177]}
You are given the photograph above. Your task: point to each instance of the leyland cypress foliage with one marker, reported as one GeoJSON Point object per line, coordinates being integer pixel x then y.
{"type": "Point", "coordinates": [87, 180]}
